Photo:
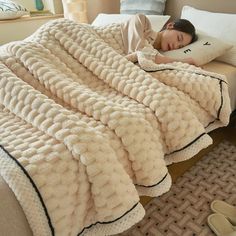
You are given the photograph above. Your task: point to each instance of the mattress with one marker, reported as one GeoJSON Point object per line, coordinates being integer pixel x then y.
{"type": "Point", "coordinates": [230, 73]}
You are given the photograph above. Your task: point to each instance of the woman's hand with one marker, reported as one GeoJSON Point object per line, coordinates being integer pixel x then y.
{"type": "Point", "coordinates": [163, 59]}
{"type": "Point", "coordinates": [189, 60]}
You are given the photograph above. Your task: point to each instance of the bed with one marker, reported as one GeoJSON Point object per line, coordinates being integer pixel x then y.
{"type": "Point", "coordinates": [13, 220]}
{"type": "Point", "coordinates": [230, 73]}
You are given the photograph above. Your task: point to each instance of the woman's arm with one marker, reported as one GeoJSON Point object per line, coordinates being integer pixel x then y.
{"type": "Point", "coordinates": [163, 59]}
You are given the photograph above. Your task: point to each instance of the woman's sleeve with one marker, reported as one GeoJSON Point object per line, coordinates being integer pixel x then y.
{"type": "Point", "coordinates": [135, 32]}
{"type": "Point", "coordinates": [146, 58]}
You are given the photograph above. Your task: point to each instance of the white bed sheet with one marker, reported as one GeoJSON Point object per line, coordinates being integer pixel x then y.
{"type": "Point", "coordinates": [230, 72]}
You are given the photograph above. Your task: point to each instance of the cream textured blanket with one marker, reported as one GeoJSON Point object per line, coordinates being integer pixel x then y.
{"type": "Point", "coordinates": [84, 132]}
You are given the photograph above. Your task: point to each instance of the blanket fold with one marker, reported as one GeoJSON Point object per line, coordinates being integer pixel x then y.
{"type": "Point", "coordinates": [87, 132]}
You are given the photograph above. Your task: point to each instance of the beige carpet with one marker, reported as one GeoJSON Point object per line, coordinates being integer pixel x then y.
{"type": "Point", "coordinates": [184, 209]}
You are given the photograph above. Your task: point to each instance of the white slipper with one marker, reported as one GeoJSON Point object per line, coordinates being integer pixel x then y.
{"type": "Point", "coordinates": [225, 209]}
{"type": "Point", "coordinates": [220, 225]}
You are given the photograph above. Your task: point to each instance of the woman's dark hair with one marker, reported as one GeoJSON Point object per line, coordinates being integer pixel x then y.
{"type": "Point", "coordinates": [185, 26]}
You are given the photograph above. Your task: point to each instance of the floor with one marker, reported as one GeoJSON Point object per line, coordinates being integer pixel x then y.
{"type": "Point", "coordinates": [176, 170]}
{"type": "Point", "coordinates": [184, 209]}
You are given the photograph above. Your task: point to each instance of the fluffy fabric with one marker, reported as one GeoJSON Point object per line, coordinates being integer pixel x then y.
{"type": "Point", "coordinates": [84, 131]}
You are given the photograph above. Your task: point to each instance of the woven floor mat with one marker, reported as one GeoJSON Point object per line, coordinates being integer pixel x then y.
{"type": "Point", "coordinates": [184, 209]}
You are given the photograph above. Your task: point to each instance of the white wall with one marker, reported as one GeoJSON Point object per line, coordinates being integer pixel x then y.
{"type": "Point", "coordinates": [29, 5]}
{"type": "Point", "coordinates": [55, 6]}
{"type": "Point", "coordinates": [102, 6]}
{"type": "Point", "coordinates": [94, 6]}
{"type": "Point", "coordinates": [24, 28]}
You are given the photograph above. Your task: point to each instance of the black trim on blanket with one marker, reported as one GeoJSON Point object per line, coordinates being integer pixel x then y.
{"type": "Point", "coordinates": [35, 188]}
{"type": "Point", "coordinates": [108, 222]}
{"type": "Point", "coordinates": [221, 105]}
{"type": "Point", "coordinates": [149, 186]}
{"type": "Point", "coordinates": [198, 73]}
{"type": "Point", "coordinates": [218, 115]}
{"type": "Point", "coordinates": [187, 144]}
{"type": "Point", "coordinates": [44, 207]}
{"type": "Point", "coordinates": [212, 122]}
{"type": "Point", "coordinates": [213, 77]}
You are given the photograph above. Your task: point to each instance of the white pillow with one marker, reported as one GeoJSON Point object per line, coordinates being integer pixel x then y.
{"type": "Point", "coordinates": [150, 7]}
{"type": "Point", "coordinates": [219, 25]}
{"type": "Point", "coordinates": [204, 50]}
{"type": "Point", "coordinates": [157, 21]}
{"type": "Point", "coordinates": [11, 10]}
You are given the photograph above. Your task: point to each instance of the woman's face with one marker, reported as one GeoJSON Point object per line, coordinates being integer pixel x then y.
{"type": "Point", "coordinates": [173, 39]}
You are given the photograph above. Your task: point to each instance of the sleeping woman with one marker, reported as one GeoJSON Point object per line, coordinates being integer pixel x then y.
{"type": "Point", "coordinates": [139, 37]}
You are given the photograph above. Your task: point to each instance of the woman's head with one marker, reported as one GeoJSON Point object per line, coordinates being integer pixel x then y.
{"type": "Point", "coordinates": [177, 34]}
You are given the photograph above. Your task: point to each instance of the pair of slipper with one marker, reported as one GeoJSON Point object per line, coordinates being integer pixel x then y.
{"type": "Point", "coordinates": [223, 221]}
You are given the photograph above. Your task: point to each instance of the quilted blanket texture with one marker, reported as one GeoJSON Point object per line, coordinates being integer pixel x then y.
{"type": "Point", "coordinates": [84, 132]}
